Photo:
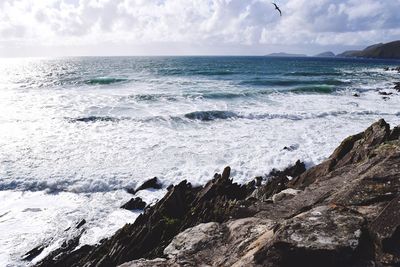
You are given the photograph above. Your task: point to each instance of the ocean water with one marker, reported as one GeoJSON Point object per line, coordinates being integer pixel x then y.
{"type": "Point", "coordinates": [75, 132]}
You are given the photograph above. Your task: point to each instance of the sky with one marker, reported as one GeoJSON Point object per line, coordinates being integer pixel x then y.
{"type": "Point", "coordinates": [193, 27]}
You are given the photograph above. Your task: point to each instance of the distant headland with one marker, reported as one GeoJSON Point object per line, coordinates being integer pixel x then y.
{"type": "Point", "coordinates": [379, 51]}
{"type": "Point", "coordinates": [282, 54]}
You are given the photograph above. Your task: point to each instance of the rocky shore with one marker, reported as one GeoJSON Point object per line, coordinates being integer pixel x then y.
{"type": "Point", "coordinates": [342, 212]}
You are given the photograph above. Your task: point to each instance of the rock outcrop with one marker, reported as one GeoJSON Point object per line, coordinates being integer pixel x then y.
{"type": "Point", "coordinates": [152, 183]}
{"type": "Point", "coordinates": [342, 212]}
{"type": "Point", "coordinates": [134, 204]}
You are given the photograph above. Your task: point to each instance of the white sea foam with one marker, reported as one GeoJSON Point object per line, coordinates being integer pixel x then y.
{"type": "Point", "coordinates": [68, 152]}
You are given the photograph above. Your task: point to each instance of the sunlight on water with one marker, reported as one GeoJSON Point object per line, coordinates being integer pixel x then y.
{"type": "Point", "coordinates": [75, 132]}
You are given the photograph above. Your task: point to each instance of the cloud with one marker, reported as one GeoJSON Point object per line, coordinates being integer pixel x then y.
{"type": "Point", "coordinates": [249, 23]}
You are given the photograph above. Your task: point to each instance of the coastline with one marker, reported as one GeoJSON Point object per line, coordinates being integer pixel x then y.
{"type": "Point", "coordinates": [343, 211]}
{"type": "Point", "coordinates": [63, 180]}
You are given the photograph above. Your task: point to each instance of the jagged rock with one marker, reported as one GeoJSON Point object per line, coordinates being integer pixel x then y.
{"type": "Point", "coordinates": [182, 207]}
{"type": "Point", "coordinates": [134, 204]}
{"type": "Point", "coordinates": [397, 86]}
{"type": "Point", "coordinates": [384, 93]}
{"type": "Point", "coordinates": [353, 149]}
{"type": "Point", "coordinates": [62, 253]}
{"type": "Point", "coordinates": [278, 181]}
{"type": "Point", "coordinates": [33, 253]}
{"type": "Point", "coordinates": [151, 183]}
{"type": "Point", "coordinates": [237, 241]}
{"type": "Point", "coordinates": [344, 212]}
{"type": "Point", "coordinates": [80, 224]}
{"type": "Point", "coordinates": [258, 181]}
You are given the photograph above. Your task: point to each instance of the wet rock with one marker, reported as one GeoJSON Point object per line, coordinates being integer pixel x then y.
{"type": "Point", "coordinates": [291, 148]}
{"type": "Point", "coordinates": [356, 95]}
{"type": "Point", "coordinates": [291, 171]}
{"type": "Point", "coordinates": [151, 183]}
{"type": "Point", "coordinates": [134, 204]}
{"type": "Point", "coordinates": [258, 180]}
{"type": "Point", "coordinates": [385, 93]}
{"type": "Point", "coordinates": [342, 212]}
{"type": "Point", "coordinates": [30, 255]}
{"type": "Point", "coordinates": [397, 86]}
{"type": "Point", "coordinates": [80, 224]}
{"type": "Point", "coordinates": [182, 207]}
{"type": "Point", "coordinates": [386, 68]}
{"type": "Point", "coordinates": [63, 253]}
{"type": "Point", "coordinates": [278, 181]}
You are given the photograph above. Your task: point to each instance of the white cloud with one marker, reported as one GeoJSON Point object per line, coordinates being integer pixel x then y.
{"type": "Point", "coordinates": [249, 23]}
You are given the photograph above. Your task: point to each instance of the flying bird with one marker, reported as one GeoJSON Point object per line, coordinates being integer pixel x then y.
{"type": "Point", "coordinates": [277, 8]}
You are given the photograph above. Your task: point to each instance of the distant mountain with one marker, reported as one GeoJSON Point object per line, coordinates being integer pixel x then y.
{"type": "Point", "coordinates": [325, 54]}
{"type": "Point", "coordinates": [285, 55]}
{"type": "Point", "coordinates": [389, 51]}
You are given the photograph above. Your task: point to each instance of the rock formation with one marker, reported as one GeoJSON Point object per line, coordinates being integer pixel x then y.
{"type": "Point", "coordinates": [342, 212]}
{"type": "Point", "coordinates": [152, 183]}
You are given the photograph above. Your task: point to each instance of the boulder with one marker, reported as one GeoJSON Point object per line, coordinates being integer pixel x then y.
{"type": "Point", "coordinates": [134, 204]}
{"type": "Point", "coordinates": [151, 183]}
{"type": "Point", "coordinates": [285, 194]}
{"type": "Point", "coordinates": [323, 236]}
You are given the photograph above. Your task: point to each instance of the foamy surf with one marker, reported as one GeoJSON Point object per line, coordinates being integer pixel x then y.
{"type": "Point", "coordinates": [69, 148]}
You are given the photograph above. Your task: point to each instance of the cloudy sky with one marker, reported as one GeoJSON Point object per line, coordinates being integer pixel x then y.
{"type": "Point", "coordinates": [188, 27]}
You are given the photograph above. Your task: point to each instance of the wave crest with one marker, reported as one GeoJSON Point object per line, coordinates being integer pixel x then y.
{"type": "Point", "coordinates": [211, 115]}
{"type": "Point", "coordinates": [105, 81]}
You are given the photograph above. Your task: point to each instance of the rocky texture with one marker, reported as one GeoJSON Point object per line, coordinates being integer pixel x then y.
{"type": "Point", "coordinates": [182, 207]}
{"type": "Point", "coordinates": [342, 212]}
{"type": "Point", "coordinates": [134, 204]}
{"type": "Point", "coordinates": [387, 51]}
{"type": "Point", "coordinates": [151, 183]}
{"type": "Point", "coordinates": [277, 181]}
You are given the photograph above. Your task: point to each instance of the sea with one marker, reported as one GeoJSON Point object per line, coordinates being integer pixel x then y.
{"type": "Point", "coordinates": [75, 133]}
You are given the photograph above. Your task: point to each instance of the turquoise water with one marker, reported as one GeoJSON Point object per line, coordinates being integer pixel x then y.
{"type": "Point", "coordinates": [75, 132]}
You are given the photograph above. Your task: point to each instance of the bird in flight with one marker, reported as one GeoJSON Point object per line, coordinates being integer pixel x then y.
{"type": "Point", "coordinates": [277, 8]}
